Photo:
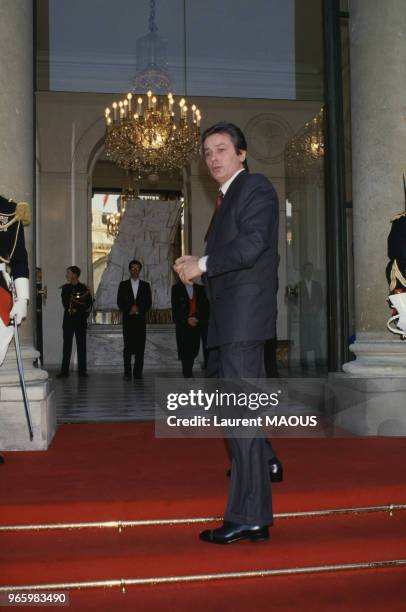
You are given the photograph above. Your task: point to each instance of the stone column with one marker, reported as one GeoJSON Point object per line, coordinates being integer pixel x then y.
{"type": "Point", "coordinates": [378, 61]}
{"type": "Point", "coordinates": [17, 182]}
{"type": "Point", "coordinates": [370, 400]}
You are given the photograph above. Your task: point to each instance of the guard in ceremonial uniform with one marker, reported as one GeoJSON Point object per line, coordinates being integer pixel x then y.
{"type": "Point", "coordinates": [396, 272]}
{"type": "Point", "coordinates": [77, 302]}
{"type": "Point", "coordinates": [13, 266]}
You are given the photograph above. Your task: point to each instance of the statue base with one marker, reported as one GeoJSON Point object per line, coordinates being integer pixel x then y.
{"type": "Point", "coordinates": [370, 396]}
{"type": "Point", "coordinates": [14, 434]}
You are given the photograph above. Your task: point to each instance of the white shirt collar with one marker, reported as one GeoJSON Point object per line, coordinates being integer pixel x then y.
{"type": "Point", "coordinates": [227, 184]}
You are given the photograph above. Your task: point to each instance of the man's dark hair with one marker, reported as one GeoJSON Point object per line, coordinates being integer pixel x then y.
{"type": "Point", "coordinates": [74, 270]}
{"type": "Point", "coordinates": [235, 133]}
{"type": "Point", "coordinates": [135, 261]}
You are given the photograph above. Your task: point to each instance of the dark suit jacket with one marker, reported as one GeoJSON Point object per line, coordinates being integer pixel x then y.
{"type": "Point", "coordinates": [313, 304]}
{"type": "Point", "coordinates": [134, 325]}
{"type": "Point", "coordinates": [187, 337]}
{"type": "Point", "coordinates": [241, 276]}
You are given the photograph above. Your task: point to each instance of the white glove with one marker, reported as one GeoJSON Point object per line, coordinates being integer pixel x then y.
{"type": "Point", "coordinates": [19, 310]}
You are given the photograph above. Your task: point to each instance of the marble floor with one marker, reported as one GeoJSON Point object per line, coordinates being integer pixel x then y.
{"type": "Point", "coordinates": [106, 397]}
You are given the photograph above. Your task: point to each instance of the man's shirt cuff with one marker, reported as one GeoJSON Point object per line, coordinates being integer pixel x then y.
{"type": "Point", "coordinates": [202, 263]}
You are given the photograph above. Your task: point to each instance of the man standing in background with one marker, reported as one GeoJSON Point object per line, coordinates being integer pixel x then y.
{"type": "Point", "coordinates": [77, 302]}
{"type": "Point", "coordinates": [134, 300]}
{"type": "Point", "coordinates": [190, 311]}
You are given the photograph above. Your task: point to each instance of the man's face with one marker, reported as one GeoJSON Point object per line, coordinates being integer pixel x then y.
{"type": "Point", "coordinates": [222, 159]}
{"type": "Point", "coordinates": [135, 271]}
{"type": "Point", "coordinates": [71, 277]}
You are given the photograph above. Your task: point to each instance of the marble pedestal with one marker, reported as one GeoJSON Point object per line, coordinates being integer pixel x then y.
{"type": "Point", "coordinates": [371, 396]}
{"type": "Point", "coordinates": [13, 424]}
{"type": "Point", "coordinates": [369, 406]}
{"type": "Point", "coordinates": [105, 348]}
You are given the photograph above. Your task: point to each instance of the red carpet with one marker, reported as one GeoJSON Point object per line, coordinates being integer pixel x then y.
{"type": "Point", "coordinates": [144, 552]}
{"type": "Point", "coordinates": [120, 471]}
{"type": "Point", "coordinates": [373, 591]}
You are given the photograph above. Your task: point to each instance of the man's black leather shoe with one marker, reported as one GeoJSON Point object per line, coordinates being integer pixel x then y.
{"type": "Point", "coordinates": [126, 377]}
{"type": "Point", "coordinates": [275, 470]}
{"type": "Point", "coordinates": [234, 532]}
{"type": "Point", "coordinates": [62, 375]}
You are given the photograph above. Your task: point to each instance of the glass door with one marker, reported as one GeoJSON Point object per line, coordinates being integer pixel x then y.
{"type": "Point", "coordinates": [306, 262]}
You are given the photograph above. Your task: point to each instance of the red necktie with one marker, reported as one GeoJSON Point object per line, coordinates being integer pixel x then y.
{"type": "Point", "coordinates": [219, 201]}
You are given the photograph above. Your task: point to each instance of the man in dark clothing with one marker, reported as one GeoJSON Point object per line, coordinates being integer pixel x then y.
{"type": "Point", "coordinates": [311, 305]}
{"type": "Point", "coordinates": [77, 302]}
{"type": "Point", "coordinates": [239, 269]}
{"type": "Point", "coordinates": [190, 310]}
{"type": "Point", "coordinates": [134, 300]}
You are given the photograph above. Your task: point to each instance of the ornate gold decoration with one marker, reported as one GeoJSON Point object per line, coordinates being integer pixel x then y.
{"type": "Point", "coordinates": [23, 212]}
{"type": "Point", "coordinates": [306, 149]}
{"type": "Point", "coordinates": [130, 193]}
{"type": "Point", "coordinates": [145, 136]}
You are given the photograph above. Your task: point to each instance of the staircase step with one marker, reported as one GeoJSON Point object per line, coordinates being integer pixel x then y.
{"type": "Point", "coordinates": [155, 551]}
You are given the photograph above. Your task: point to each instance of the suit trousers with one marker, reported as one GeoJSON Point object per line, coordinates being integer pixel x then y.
{"type": "Point", "coordinates": [78, 330]}
{"type": "Point", "coordinates": [137, 349]}
{"type": "Point", "coordinates": [250, 496]}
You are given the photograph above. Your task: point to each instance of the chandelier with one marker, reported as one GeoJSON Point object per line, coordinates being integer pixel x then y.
{"type": "Point", "coordinates": [144, 134]}
{"type": "Point", "coordinates": [113, 222]}
{"type": "Point", "coordinates": [152, 63]}
{"type": "Point", "coordinates": [114, 219]}
{"type": "Point", "coordinates": [305, 150]}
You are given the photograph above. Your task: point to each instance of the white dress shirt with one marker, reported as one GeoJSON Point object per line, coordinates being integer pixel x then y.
{"type": "Point", "coordinates": [135, 284]}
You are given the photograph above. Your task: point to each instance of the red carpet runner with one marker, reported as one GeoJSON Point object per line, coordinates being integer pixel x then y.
{"type": "Point", "coordinates": [119, 471]}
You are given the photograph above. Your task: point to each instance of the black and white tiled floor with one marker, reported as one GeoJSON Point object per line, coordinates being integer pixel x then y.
{"type": "Point", "coordinates": [105, 397]}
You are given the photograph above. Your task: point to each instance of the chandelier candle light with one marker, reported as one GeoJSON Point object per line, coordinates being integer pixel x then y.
{"type": "Point", "coordinates": [142, 134]}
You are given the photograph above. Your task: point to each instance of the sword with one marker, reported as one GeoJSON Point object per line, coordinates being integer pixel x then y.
{"type": "Point", "coordinates": [21, 375]}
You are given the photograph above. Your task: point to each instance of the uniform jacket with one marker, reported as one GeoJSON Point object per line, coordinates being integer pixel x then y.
{"type": "Point", "coordinates": [12, 242]}
{"type": "Point", "coordinates": [77, 302]}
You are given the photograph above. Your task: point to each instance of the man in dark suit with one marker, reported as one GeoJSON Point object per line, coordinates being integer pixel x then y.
{"type": "Point", "coordinates": [240, 273]}
{"type": "Point", "coordinates": [190, 310]}
{"type": "Point", "coordinates": [134, 300]}
{"type": "Point", "coordinates": [311, 304]}
{"type": "Point", "coordinates": [77, 302]}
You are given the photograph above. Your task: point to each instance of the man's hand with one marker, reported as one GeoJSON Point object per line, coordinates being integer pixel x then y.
{"type": "Point", "coordinates": [133, 310]}
{"type": "Point", "coordinates": [188, 268]}
{"type": "Point", "coordinates": [192, 321]}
